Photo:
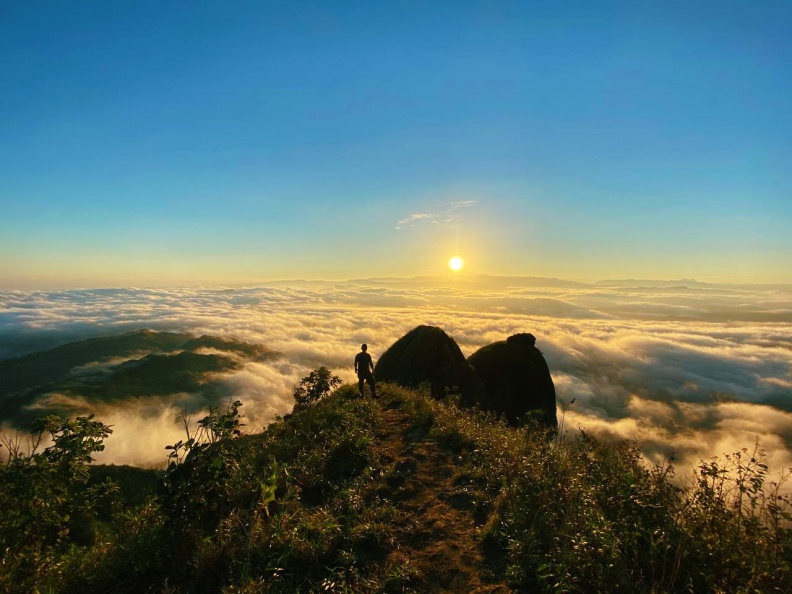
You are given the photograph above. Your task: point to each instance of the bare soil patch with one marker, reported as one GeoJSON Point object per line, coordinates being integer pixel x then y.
{"type": "Point", "coordinates": [437, 534]}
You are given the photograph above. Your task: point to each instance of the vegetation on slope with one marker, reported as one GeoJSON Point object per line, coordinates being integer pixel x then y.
{"type": "Point", "coordinates": [401, 494]}
{"type": "Point", "coordinates": [140, 364]}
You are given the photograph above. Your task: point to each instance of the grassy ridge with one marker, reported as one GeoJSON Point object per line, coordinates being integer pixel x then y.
{"type": "Point", "coordinates": [411, 494]}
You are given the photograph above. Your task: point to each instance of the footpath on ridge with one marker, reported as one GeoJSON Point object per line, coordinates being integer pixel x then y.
{"type": "Point", "coordinates": [436, 534]}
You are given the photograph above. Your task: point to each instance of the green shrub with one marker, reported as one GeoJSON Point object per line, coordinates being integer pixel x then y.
{"type": "Point", "coordinates": [203, 477]}
{"type": "Point", "coordinates": [314, 386]}
{"type": "Point", "coordinates": [45, 505]}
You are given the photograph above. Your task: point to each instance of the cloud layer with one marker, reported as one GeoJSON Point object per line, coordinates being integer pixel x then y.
{"type": "Point", "coordinates": [694, 369]}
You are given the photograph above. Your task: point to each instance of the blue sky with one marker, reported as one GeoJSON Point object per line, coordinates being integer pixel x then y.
{"type": "Point", "coordinates": [154, 143]}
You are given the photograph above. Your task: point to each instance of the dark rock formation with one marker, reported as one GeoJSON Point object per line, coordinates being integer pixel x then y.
{"type": "Point", "coordinates": [428, 355]}
{"type": "Point", "coordinates": [516, 379]}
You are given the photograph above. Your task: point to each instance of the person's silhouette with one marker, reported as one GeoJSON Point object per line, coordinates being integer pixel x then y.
{"type": "Point", "coordinates": [364, 367]}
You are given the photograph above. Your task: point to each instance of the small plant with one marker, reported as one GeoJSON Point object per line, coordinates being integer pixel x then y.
{"type": "Point", "coordinates": [564, 406]}
{"type": "Point", "coordinates": [315, 386]}
{"type": "Point", "coordinates": [213, 428]}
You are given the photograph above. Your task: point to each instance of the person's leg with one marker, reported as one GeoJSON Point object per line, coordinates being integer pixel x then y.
{"type": "Point", "coordinates": [373, 386]}
{"type": "Point", "coordinates": [361, 379]}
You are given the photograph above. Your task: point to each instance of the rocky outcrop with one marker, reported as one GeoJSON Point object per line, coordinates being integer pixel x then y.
{"type": "Point", "coordinates": [426, 354]}
{"type": "Point", "coordinates": [516, 379]}
{"type": "Point", "coordinates": [510, 376]}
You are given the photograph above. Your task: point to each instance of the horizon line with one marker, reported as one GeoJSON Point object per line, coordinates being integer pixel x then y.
{"type": "Point", "coordinates": [455, 277]}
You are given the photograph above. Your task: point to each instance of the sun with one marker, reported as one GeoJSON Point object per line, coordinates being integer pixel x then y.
{"type": "Point", "coordinates": [456, 263]}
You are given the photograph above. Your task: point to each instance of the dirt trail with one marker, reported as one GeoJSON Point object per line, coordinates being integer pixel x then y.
{"type": "Point", "coordinates": [437, 536]}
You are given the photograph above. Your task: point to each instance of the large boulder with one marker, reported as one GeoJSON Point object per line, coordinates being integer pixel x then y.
{"type": "Point", "coordinates": [516, 379]}
{"type": "Point", "coordinates": [429, 355]}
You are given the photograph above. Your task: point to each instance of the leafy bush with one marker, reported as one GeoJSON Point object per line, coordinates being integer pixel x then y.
{"type": "Point", "coordinates": [45, 504]}
{"type": "Point", "coordinates": [203, 471]}
{"type": "Point", "coordinates": [314, 386]}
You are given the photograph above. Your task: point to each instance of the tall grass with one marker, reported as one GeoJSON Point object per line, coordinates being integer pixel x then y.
{"type": "Point", "coordinates": [583, 515]}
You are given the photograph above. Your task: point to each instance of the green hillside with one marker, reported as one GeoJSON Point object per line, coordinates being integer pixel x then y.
{"type": "Point", "coordinates": [401, 494]}
{"type": "Point", "coordinates": [140, 364]}
{"type": "Point", "coordinates": [38, 369]}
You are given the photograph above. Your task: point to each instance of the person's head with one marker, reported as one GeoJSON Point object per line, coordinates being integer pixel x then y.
{"type": "Point", "coordinates": [364, 347]}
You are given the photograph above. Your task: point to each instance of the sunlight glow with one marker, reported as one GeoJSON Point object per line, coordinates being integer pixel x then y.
{"type": "Point", "coordinates": [456, 263]}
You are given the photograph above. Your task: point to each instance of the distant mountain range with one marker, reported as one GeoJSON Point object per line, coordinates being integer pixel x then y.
{"type": "Point", "coordinates": [491, 281]}
{"type": "Point", "coordinates": [140, 364]}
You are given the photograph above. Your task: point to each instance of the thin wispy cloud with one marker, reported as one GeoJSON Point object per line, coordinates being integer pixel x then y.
{"type": "Point", "coordinates": [416, 217]}
{"type": "Point", "coordinates": [449, 213]}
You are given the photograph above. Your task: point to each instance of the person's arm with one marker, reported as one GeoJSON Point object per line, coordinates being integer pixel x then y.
{"type": "Point", "coordinates": [371, 362]}
{"type": "Point", "coordinates": [356, 363]}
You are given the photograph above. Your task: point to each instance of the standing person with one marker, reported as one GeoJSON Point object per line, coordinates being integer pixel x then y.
{"type": "Point", "coordinates": [364, 367]}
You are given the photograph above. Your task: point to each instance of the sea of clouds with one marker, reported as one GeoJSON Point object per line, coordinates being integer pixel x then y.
{"type": "Point", "coordinates": [687, 368]}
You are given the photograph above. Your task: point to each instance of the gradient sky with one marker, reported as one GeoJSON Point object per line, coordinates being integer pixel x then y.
{"type": "Point", "coordinates": [156, 143]}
